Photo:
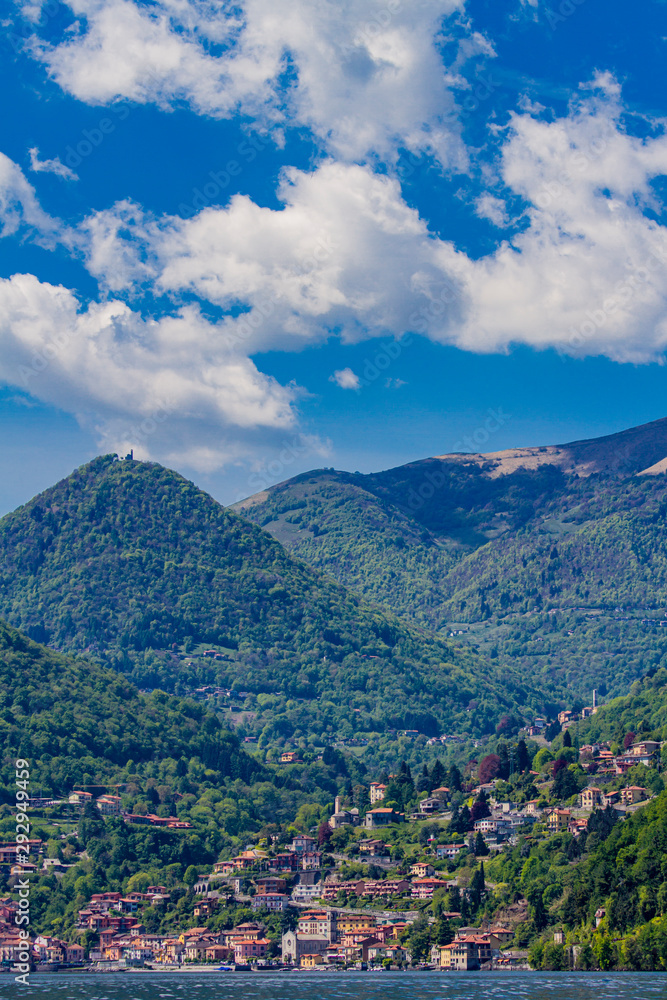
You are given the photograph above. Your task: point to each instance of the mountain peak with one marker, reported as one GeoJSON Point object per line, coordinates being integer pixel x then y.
{"type": "Point", "coordinates": [636, 451]}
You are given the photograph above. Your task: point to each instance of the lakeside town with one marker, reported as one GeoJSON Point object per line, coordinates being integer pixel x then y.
{"type": "Point", "coordinates": [363, 889]}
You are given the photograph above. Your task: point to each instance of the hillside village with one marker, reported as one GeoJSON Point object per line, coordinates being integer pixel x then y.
{"type": "Point", "coordinates": [385, 887]}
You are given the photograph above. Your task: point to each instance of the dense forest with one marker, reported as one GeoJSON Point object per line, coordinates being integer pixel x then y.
{"type": "Point", "coordinates": [132, 564]}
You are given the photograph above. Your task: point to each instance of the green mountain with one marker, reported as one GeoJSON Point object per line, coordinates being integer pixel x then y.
{"type": "Point", "coordinates": [464, 536]}
{"type": "Point", "coordinates": [489, 545]}
{"type": "Point", "coordinates": [131, 563]}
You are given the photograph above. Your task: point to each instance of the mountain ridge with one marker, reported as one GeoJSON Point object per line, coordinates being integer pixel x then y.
{"type": "Point", "coordinates": [133, 564]}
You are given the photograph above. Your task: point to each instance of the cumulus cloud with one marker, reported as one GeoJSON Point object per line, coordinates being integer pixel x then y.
{"type": "Point", "coordinates": [585, 272]}
{"type": "Point", "coordinates": [53, 166]}
{"type": "Point", "coordinates": [588, 274]}
{"type": "Point", "coordinates": [363, 76]}
{"type": "Point", "coordinates": [494, 209]}
{"type": "Point", "coordinates": [168, 387]}
{"type": "Point", "coordinates": [19, 206]}
{"type": "Point", "coordinates": [345, 254]}
{"type": "Point", "coordinates": [345, 378]}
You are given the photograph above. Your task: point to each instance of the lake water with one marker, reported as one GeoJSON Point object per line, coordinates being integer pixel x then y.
{"type": "Point", "coordinates": [341, 986]}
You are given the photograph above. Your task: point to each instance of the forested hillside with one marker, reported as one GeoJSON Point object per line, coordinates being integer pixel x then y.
{"type": "Point", "coordinates": [489, 550]}
{"type": "Point", "coordinates": [133, 564]}
{"type": "Point", "coordinates": [478, 545]}
{"type": "Point", "coordinates": [69, 716]}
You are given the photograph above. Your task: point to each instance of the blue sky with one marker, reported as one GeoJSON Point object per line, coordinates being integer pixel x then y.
{"type": "Point", "coordinates": [251, 239]}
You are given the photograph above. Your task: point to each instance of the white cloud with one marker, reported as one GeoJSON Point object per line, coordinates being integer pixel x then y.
{"type": "Point", "coordinates": [345, 378]}
{"type": "Point", "coordinates": [494, 209]}
{"type": "Point", "coordinates": [53, 166]}
{"type": "Point", "coordinates": [19, 206]}
{"type": "Point", "coordinates": [365, 75]}
{"type": "Point", "coordinates": [168, 387]}
{"type": "Point", "coordinates": [588, 275]}
{"type": "Point", "coordinates": [345, 255]}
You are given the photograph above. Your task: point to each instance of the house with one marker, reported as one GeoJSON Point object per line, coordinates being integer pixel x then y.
{"type": "Point", "coordinates": [310, 861]}
{"type": "Point", "coordinates": [109, 805]}
{"type": "Point", "coordinates": [218, 953]}
{"type": "Point", "coordinates": [290, 757]}
{"type": "Point", "coordinates": [382, 817]}
{"type": "Point", "coordinates": [558, 819]}
{"type": "Point", "coordinates": [244, 932]}
{"type": "Point", "coordinates": [306, 893]}
{"type": "Point", "coordinates": [459, 956]}
{"type": "Point", "coordinates": [430, 805]}
{"type": "Point", "coordinates": [591, 797]}
{"type": "Point", "coordinates": [343, 817]}
{"type": "Point", "coordinates": [248, 950]}
{"type": "Point", "coordinates": [502, 934]}
{"type": "Point", "coordinates": [375, 848]}
{"type": "Point", "coordinates": [283, 862]}
{"type": "Point", "coordinates": [80, 799]}
{"type": "Point", "coordinates": [397, 954]}
{"type": "Point", "coordinates": [377, 792]}
{"type": "Point", "coordinates": [486, 825]}
{"type": "Point", "coordinates": [628, 760]}
{"type": "Point", "coordinates": [422, 869]}
{"type": "Point", "coordinates": [611, 799]}
{"type": "Point", "coordinates": [276, 902]}
{"type": "Point", "coordinates": [643, 748]}
{"type": "Point", "coordinates": [633, 794]}
{"type": "Point", "coordinates": [311, 961]}
{"type": "Point", "coordinates": [317, 923]}
{"type": "Point", "coordinates": [423, 888]}
{"type": "Point", "coordinates": [268, 883]}
{"type": "Point", "coordinates": [448, 850]}
{"type": "Point", "coordinates": [302, 844]}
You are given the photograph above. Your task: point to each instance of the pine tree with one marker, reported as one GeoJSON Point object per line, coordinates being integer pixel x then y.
{"type": "Point", "coordinates": [454, 779]}
{"type": "Point", "coordinates": [424, 780]}
{"type": "Point", "coordinates": [522, 757]}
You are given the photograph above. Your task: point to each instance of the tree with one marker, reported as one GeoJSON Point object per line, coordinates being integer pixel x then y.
{"type": "Point", "coordinates": [443, 932]}
{"type": "Point", "coordinates": [324, 834]}
{"type": "Point", "coordinates": [565, 784]}
{"type": "Point", "coordinates": [438, 775]}
{"type": "Point", "coordinates": [424, 780]}
{"type": "Point", "coordinates": [522, 757]}
{"type": "Point", "coordinates": [567, 739]}
{"type": "Point", "coordinates": [418, 938]}
{"type": "Point", "coordinates": [504, 759]}
{"type": "Point", "coordinates": [191, 875]}
{"type": "Point", "coordinates": [477, 889]}
{"type": "Point", "coordinates": [480, 849]}
{"type": "Point", "coordinates": [454, 779]}
{"type": "Point", "coordinates": [489, 768]}
{"type": "Point", "coordinates": [480, 807]}
{"type": "Point", "coordinates": [628, 740]}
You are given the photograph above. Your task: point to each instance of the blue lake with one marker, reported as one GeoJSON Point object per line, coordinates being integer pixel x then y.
{"type": "Point", "coordinates": [341, 986]}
